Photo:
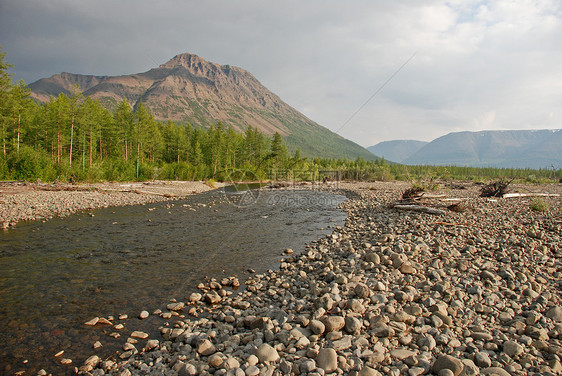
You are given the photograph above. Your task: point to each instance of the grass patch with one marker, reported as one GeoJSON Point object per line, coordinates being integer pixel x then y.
{"type": "Point", "coordinates": [539, 205]}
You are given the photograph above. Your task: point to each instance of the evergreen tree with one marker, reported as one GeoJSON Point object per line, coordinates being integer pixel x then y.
{"type": "Point", "coordinates": [75, 103]}
{"type": "Point", "coordinates": [278, 152]}
{"type": "Point", "coordinates": [124, 120]}
{"type": "Point", "coordinates": [5, 100]}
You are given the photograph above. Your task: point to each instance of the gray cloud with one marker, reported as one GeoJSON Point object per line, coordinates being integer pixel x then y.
{"type": "Point", "coordinates": [479, 65]}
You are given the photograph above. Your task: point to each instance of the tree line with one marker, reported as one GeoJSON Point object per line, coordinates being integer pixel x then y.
{"type": "Point", "coordinates": [73, 137]}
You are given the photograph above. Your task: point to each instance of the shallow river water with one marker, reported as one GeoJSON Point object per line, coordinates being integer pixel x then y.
{"type": "Point", "coordinates": [58, 274]}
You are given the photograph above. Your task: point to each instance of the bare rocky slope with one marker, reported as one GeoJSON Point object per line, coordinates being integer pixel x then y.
{"type": "Point", "coordinates": [189, 89]}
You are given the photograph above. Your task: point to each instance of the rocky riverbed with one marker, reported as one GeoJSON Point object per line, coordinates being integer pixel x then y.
{"type": "Point", "coordinates": [475, 290]}
{"type": "Point", "coordinates": [24, 201]}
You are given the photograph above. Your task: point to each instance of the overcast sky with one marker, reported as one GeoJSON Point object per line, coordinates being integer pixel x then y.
{"type": "Point", "coordinates": [469, 65]}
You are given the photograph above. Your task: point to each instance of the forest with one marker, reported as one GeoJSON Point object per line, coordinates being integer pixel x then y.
{"type": "Point", "coordinates": [74, 138]}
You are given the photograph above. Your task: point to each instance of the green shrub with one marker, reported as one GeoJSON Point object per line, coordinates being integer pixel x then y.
{"type": "Point", "coordinates": [4, 172]}
{"type": "Point", "coordinates": [146, 172]}
{"type": "Point", "coordinates": [118, 170]}
{"type": "Point", "coordinates": [539, 205]}
{"type": "Point", "coordinates": [179, 171]}
{"type": "Point", "coordinates": [30, 164]}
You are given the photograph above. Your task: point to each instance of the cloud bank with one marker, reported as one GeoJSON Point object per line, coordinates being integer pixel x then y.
{"type": "Point", "coordinates": [478, 65]}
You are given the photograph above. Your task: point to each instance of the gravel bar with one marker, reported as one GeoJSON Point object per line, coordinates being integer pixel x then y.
{"type": "Point", "coordinates": [393, 292]}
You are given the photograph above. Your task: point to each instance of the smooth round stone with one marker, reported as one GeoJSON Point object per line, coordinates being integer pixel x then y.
{"type": "Point", "coordinates": [151, 344]}
{"type": "Point", "coordinates": [373, 257]}
{"type": "Point", "coordinates": [316, 326]}
{"type": "Point", "coordinates": [362, 291]}
{"type": "Point", "coordinates": [252, 360]}
{"type": "Point", "coordinates": [334, 323]}
{"type": "Point", "coordinates": [139, 334]}
{"type": "Point", "coordinates": [266, 353]}
{"type": "Point", "coordinates": [353, 325]}
{"type": "Point", "coordinates": [427, 341]}
{"type": "Point", "coordinates": [496, 371]}
{"type": "Point", "coordinates": [215, 361]}
{"type": "Point", "coordinates": [143, 315]}
{"type": "Point", "coordinates": [555, 313]}
{"type": "Point", "coordinates": [327, 360]}
{"type": "Point", "coordinates": [368, 371]}
{"type": "Point", "coordinates": [482, 336]}
{"type": "Point", "coordinates": [448, 362]}
{"type": "Point", "coordinates": [252, 371]}
{"type": "Point", "coordinates": [206, 348]}
{"type": "Point", "coordinates": [401, 354]}
{"type": "Point", "coordinates": [307, 366]}
{"type": "Point", "coordinates": [482, 359]}
{"type": "Point", "coordinates": [231, 364]}
{"type": "Point", "coordinates": [512, 348]}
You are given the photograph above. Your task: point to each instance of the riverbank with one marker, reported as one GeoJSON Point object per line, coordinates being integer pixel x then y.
{"type": "Point", "coordinates": [475, 290]}
{"type": "Point", "coordinates": [24, 201]}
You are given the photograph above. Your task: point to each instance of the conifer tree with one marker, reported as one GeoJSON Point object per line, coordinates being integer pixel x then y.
{"type": "Point", "coordinates": [124, 119]}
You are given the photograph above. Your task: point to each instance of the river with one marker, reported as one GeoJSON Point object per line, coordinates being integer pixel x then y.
{"type": "Point", "coordinates": [56, 275]}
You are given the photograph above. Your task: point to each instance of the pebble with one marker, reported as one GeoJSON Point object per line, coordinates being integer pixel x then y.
{"type": "Point", "coordinates": [139, 334]}
{"type": "Point", "coordinates": [316, 326]}
{"type": "Point", "coordinates": [266, 353]}
{"type": "Point", "coordinates": [206, 348]}
{"type": "Point", "coordinates": [92, 322]}
{"type": "Point", "coordinates": [447, 362]}
{"type": "Point", "coordinates": [482, 359]}
{"type": "Point", "coordinates": [368, 371]}
{"type": "Point", "coordinates": [512, 348]}
{"type": "Point", "coordinates": [327, 359]}
{"type": "Point", "coordinates": [555, 313]}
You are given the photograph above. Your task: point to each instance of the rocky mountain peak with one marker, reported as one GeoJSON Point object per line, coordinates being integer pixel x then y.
{"type": "Point", "coordinates": [193, 63]}
{"type": "Point", "coordinates": [190, 89]}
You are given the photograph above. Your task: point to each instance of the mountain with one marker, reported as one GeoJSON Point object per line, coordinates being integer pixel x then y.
{"type": "Point", "coordinates": [510, 149]}
{"type": "Point", "coordinates": [189, 89]}
{"type": "Point", "coordinates": [396, 150]}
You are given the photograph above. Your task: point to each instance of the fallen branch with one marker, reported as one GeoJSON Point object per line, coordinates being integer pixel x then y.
{"type": "Point", "coordinates": [139, 192]}
{"type": "Point", "coordinates": [419, 208]}
{"type": "Point", "coordinates": [433, 196]}
{"type": "Point", "coordinates": [150, 193]}
{"type": "Point", "coordinates": [453, 224]}
{"type": "Point", "coordinates": [511, 195]}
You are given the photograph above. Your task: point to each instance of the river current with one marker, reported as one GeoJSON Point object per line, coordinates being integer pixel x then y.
{"type": "Point", "coordinates": [56, 275]}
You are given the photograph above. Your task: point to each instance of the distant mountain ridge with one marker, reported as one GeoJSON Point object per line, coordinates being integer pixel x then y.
{"type": "Point", "coordinates": [189, 89]}
{"type": "Point", "coordinates": [509, 149]}
{"type": "Point", "coordinates": [396, 150]}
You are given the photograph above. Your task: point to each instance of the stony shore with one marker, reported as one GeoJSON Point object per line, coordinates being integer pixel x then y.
{"type": "Point", "coordinates": [22, 201]}
{"type": "Point", "coordinates": [467, 292]}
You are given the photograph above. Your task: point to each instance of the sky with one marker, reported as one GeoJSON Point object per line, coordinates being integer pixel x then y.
{"type": "Point", "coordinates": [370, 70]}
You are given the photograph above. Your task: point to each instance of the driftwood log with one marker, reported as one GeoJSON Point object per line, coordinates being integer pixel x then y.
{"type": "Point", "coordinates": [511, 195]}
{"type": "Point", "coordinates": [419, 208]}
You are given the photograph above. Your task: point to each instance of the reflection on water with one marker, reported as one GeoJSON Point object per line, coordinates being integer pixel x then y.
{"type": "Point", "coordinates": [56, 275]}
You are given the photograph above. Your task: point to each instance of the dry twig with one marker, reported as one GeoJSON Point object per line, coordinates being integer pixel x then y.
{"type": "Point", "coordinates": [495, 189]}
{"type": "Point", "coordinates": [413, 193]}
